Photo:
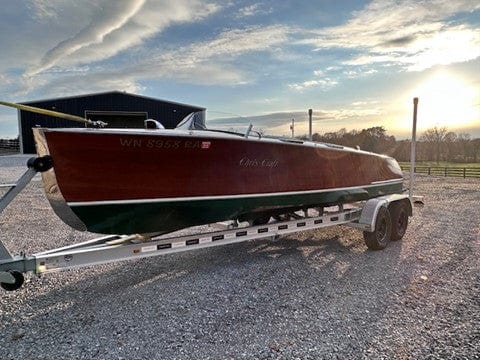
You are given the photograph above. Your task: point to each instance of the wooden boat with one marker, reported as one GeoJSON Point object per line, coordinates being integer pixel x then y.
{"type": "Point", "coordinates": [123, 181]}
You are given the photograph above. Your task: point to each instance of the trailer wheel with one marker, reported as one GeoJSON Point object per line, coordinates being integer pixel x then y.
{"type": "Point", "coordinates": [17, 284]}
{"type": "Point", "coordinates": [378, 239]}
{"type": "Point", "coordinates": [399, 214]}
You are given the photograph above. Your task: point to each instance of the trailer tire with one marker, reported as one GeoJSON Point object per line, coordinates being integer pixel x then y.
{"type": "Point", "coordinates": [19, 279]}
{"type": "Point", "coordinates": [399, 213]}
{"type": "Point", "coordinates": [378, 239]}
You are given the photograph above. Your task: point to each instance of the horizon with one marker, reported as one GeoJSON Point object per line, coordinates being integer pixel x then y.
{"type": "Point", "coordinates": [304, 124]}
{"type": "Point", "coordinates": [357, 64]}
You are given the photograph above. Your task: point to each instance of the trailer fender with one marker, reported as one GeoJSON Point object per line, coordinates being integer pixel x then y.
{"type": "Point", "coordinates": [371, 208]}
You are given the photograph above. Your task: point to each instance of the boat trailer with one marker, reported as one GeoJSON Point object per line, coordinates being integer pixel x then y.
{"type": "Point", "coordinates": [381, 219]}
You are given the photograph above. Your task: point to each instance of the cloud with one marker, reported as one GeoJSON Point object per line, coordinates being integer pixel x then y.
{"type": "Point", "coordinates": [325, 120]}
{"type": "Point", "coordinates": [213, 61]}
{"type": "Point", "coordinates": [120, 25]}
{"type": "Point", "coordinates": [207, 62]}
{"type": "Point", "coordinates": [83, 59]}
{"type": "Point", "coordinates": [414, 35]}
{"type": "Point", "coordinates": [274, 122]}
{"type": "Point", "coordinates": [359, 71]}
{"type": "Point", "coordinates": [5, 79]}
{"type": "Point", "coordinates": [249, 10]}
{"type": "Point", "coordinates": [113, 17]}
{"type": "Point", "coordinates": [322, 83]}
{"type": "Point", "coordinates": [236, 41]}
{"type": "Point", "coordinates": [44, 10]}
{"type": "Point", "coordinates": [399, 41]}
{"type": "Point", "coordinates": [94, 82]}
{"type": "Point", "coordinates": [252, 10]}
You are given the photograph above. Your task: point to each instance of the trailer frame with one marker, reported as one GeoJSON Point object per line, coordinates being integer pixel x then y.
{"type": "Point", "coordinates": [106, 249]}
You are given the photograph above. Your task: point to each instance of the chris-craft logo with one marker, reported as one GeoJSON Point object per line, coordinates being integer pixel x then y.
{"type": "Point", "coordinates": [253, 162]}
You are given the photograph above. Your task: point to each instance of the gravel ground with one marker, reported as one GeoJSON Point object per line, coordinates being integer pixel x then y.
{"type": "Point", "coordinates": [311, 295]}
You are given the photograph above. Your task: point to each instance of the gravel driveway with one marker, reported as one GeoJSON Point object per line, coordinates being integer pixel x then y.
{"type": "Point", "coordinates": [311, 295]}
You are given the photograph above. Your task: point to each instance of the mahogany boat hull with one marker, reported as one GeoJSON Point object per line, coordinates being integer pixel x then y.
{"type": "Point", "coordinates": [116, 182]}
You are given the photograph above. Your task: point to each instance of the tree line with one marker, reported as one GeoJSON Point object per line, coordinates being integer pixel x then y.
{"type": "Point", "coordinates": [435, 144]}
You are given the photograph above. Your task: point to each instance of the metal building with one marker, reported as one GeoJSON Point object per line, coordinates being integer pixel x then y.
{"type": "Point", "coordinates": [118, 109]}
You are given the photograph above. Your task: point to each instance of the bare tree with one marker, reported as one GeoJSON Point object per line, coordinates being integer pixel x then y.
{"type": "Point", "coordinates": [464, 147]}
{"type": "Point", "coordinates": [433, 139]}
{"type": "Point", "coordinates": [476, 149]}
{"type": "Point", "coordinates": [449, 145]}
{"type": "Point", "coordinates": [435, 144]}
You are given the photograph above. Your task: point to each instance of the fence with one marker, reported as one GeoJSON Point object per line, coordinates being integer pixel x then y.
{"type": "Point", "coordinates": [9, 145]}
{"type": "Point", "coordinates": [465, 172]}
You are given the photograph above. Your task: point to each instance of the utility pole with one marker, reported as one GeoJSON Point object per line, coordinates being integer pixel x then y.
{"type": "Point", "coordinates": [310, 111]}
{"type": "Point", "coordinates": [413, 151]}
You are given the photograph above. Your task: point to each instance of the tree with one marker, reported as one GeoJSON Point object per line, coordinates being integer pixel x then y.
{"type": "Point", "coordinates": [402, 150]}
{"type": "Point", "coordinates": [449, 145]}
{"type": "Point", "coordinates": [464, 150]}
{"type": "Point", "coordinates": [434, 138]}
{"type": "Point", "coordinates": [376, 139]}
{"type": "Point", "coordinates": [435, 144]}
{"type": "Point", "coordinates": [476, 149]}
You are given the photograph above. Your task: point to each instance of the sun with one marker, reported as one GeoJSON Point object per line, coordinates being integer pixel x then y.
{"type": "Point", "coordinates": [446, 100]}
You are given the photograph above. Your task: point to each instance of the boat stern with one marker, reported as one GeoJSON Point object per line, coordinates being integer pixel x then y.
{"type": "Point", "coordinates": [50, 185]}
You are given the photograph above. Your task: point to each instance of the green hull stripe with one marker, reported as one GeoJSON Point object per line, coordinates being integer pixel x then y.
{"type": "Point", "coordinates": [170, 216]}
{"type": "Point", "coordinates": [229, 197]}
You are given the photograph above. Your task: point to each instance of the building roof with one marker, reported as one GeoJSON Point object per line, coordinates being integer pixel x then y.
{"type": "Point", "coordinates": [108, 93]}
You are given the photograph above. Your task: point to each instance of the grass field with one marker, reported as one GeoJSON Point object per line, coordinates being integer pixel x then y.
{"type": "Point", "coordinates": [442, 164]}
{"type": "Point", "coordinates": [445, 169]}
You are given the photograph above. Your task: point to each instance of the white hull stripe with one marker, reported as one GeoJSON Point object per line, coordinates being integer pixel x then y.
{"type": "Point", "coordinates": [226, 197]}
{"type": "Point", "coordinates": [391, 181]}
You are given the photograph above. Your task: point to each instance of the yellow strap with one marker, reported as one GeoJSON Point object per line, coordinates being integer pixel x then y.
{"type": "Point", "coordinates": [51, 113]}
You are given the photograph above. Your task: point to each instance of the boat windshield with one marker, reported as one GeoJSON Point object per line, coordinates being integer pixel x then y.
{"type": "Point", "coordinates": [196, 121]}
{"type": "Point", "coordinates": [193, 121]}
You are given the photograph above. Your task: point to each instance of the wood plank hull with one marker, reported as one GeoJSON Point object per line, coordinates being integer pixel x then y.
{"type": "Point", "coordinates": [159, 181]}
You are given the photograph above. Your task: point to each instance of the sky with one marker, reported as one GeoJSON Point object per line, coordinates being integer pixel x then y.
{"type": "Point", "coordinates": [356, 63]}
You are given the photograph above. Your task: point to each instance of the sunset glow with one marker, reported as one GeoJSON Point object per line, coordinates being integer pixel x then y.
{"type": "Point", "coordinates": [445, 100]}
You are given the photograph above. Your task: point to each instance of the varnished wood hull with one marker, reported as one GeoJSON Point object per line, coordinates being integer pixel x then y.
{"type": "Point", "coordinates": [160, 181]}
